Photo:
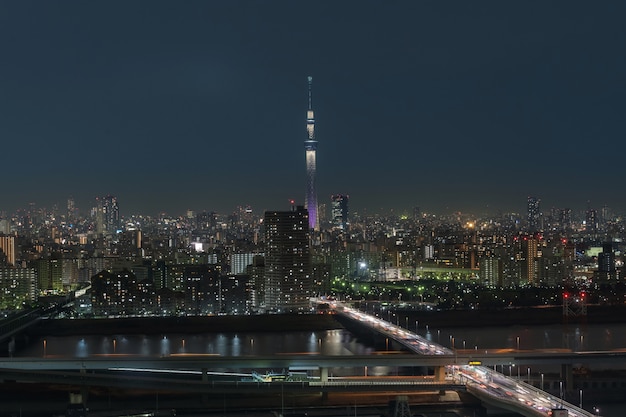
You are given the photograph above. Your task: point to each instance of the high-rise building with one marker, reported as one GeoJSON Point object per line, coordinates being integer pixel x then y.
{"type": "Point", "coordinates": [534, 214]}
{"type": "Point", "coordinates": [288, 281]}
{"type": "Point", "coordinates": [591, 221]}
{"type": "Point", "coordinates": [107, 215]}
{"type": "Point", "coordinates": [310, 148]}
{"type": "Point", "coordinates": [339, 211]}
{"type": "Point", "coordinates": [530, 246]}
{"type": "Point", "coordinates": [7, 247]}
{"type": "Point", "coordinates": [606, 264]}
{"type": "Point", "coordinates": [565, 218]}
{"type": "Point", "coordinates": [71, 208]}
{"type": "Point", "coordinates": [491, 271]}
{"type": "Point", "coordinates": [49, 275]}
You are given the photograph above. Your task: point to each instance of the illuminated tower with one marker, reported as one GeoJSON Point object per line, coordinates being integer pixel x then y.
{"type": "Point", "coordinates": [310, 147]}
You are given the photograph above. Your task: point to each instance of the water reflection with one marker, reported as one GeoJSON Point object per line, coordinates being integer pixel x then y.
{"type": "Point", "coordinates": [144, 349]}
{"type": "Point", "coordinates": [165, 346]}
{"type": "Point", "coordinates": [574, 337]}
{"type": "Point", "coordinates": [81, 349]}
{"type": "Point", "coordinates": [331, 342]}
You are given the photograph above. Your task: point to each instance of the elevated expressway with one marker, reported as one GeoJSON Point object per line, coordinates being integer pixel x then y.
{"type": "Point", "coordinates": [452, 370]}
{"type": "Point", "coordinates": [486, 384]}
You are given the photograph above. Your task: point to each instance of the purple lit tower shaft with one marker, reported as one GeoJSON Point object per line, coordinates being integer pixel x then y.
{"type": "Point", "coordinates": [310, 147]}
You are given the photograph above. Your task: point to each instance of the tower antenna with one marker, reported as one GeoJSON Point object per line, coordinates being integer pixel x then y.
{"type": "Point", "coordinates": [310, 92]}
{"type": "Point", "coordinates": [310, 147]}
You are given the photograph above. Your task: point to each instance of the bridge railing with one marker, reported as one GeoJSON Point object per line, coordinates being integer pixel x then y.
{"type": "Point", "coordinates": [555, 402]}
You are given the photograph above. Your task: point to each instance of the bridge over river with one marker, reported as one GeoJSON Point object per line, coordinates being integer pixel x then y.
{"type": "Point", "coordinates": [490, 386]}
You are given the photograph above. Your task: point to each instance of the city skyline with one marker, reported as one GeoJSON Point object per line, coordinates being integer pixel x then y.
{"type": "Point", "coordinates": [446, 107]}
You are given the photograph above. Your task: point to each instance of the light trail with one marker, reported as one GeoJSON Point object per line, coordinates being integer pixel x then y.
{"type": "Point", "coordinates": [482, 381]}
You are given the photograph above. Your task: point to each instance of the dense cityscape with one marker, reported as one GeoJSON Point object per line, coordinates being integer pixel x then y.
{"type": "Point", "coordinates": [207, 263]}
{"type": "Point", "coordinates": [246, 263]}
{"type": "Point", "coordinates": [451, 237]}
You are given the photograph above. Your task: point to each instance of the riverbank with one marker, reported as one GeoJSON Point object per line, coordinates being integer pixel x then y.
{"type": "Point", "coordinates": [533, 316]}
{"type": "Point", "coordinates": [319, 322]}
{"type": "Point", "coordinates": [187, 325]}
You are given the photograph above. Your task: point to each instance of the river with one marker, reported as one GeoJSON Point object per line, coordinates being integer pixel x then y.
{"type": "Point", "coordinates": [338, 342]}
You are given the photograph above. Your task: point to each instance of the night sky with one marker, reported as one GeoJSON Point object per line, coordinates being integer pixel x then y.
{"type": "Point", "coordinates": [446, 105]}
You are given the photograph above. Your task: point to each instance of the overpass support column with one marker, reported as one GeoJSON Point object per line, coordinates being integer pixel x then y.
{"type": "Point", "coordinates": [567, 375]}
{"type": "Point", "coordinates": [83, 388]}
{"type": "Point", "coordinates": [323, 374]}
{"type": "Point", "coordinates": [440, 373]}
{"type": "Point", "coordinates": [205, 382]}
{"type": "Point", "coordinates": [324, 379]}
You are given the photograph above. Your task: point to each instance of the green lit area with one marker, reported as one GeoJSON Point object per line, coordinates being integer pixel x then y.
{"type": "Point", "coordinates": [443, 292]}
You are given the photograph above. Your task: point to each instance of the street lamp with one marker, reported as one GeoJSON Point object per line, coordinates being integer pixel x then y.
{"type": "Point", "coordinates": [528, 380]}
{"type": "Point", "coordinates": [517, 342]}
{"type": "Point", "coordinates": [45, 345]}
{"type": "Point", "coordinates": [541, 382]}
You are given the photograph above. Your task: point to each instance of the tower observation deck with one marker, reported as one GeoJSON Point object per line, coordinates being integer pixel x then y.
{"type": "Point", "coordinates": [310, 148]}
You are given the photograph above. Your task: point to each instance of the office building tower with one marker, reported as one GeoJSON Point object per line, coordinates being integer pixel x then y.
{"type": "Point", "coordinates": [607, 271]}
{"type": "Point", "coordinates": [7, 247]}
{"type": "Point", "coordinates": [310, 147]}
{"type": "Point", "coordinates": [534, 214]}
{"type": "Point", "coordinates": [107, 215]}
{"type": "Point", "coordinates": [339, 211]}
{"type": "Point", "coordinates": [591, 221]}
{"type": "Point", "coordinates": [288, 282]}
{"type": "Point", "coordinates": [565, 218]}
{"type": "Point", "coordinates": [417, 213]}
{"type": "Point", "coordinates": [71, 208]}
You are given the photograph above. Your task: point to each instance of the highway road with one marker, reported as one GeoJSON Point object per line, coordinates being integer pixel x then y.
{"type": "Point", "coordinates": [488, 385]}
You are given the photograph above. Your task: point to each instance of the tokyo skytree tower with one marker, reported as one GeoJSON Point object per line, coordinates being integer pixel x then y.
{"type": "Point", "coordinates": [310, 147]}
